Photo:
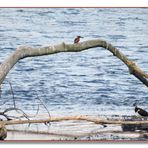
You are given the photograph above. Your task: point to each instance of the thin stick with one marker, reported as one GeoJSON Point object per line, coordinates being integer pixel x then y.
{"type": "Point", "coordinates": [0, 91]}
{"type": "Point", "coordinates": [12, 93]}
{"type": "Point", "coordinates": [43, 105]}
{"type": "Point", "coordinates": [16, 109]}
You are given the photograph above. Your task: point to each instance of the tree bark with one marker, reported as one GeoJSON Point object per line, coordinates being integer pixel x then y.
{"type": "Point", "coordinates": [3, 131]}
{"type": "Point", "coordinates": [25, 51]}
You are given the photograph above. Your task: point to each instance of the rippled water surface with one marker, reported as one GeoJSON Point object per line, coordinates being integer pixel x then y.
{"type": "Point", "coordinates": [91, 82]}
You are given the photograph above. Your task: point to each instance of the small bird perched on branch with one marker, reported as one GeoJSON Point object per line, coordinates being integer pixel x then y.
{"type": "Point", "coordinates": [140, 111]}
{"type": "Point", "coordinates": [77, 39]}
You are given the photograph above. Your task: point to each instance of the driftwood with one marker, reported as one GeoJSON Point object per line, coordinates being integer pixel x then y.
{"type": "Point", "coordinates": [66, 118]}
{"type": "Point", "coordinates": [94, 120]}
{"type": "Point", "coordinates": [24, 51]}
{"type": "Point", "coordinates": [126, 125]}
{"type": "Point", "coordinates": [3, 131]}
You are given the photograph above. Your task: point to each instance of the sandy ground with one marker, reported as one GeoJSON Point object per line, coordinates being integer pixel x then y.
{"type": "Point", "coordinates": [14, 135]}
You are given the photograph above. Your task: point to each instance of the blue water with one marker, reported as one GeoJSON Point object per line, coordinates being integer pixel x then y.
{"type": "Point", "coordinates": [91, 82]}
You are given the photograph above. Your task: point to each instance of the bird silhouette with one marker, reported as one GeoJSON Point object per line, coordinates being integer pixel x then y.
{"type": "Point", "coordinates": [77, 39]}
{"type": "Point", "coordinates": [140, 111]}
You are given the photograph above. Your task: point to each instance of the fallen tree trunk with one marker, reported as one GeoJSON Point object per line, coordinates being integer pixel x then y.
{"type": "Point", "coordinates": [94, 120]}
{"type": "Point", "coordinates": [85, 118]}
{"type": "Point", "coordinates": [24, 51]}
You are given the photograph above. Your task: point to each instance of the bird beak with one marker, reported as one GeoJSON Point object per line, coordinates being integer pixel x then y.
{"type": "Point", "coordinates": [81, 37]}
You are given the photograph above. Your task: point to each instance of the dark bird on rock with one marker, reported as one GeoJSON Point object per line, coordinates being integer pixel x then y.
{"type": "Point", "coordinates": [140, 111]}
{"type": "Point", "coordinates": [77, 39]}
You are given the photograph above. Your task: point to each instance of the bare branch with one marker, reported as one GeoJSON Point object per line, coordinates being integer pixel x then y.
{"type": "Point", "coordinates": [24, 51]}
{"type": "Point", "coordinates": [43, 105]}
{"type": "Point", "coordinates": [37, 111]}
{"type": "Point", "coordinates": [83, 118]}
{"type": "Point", "coordinates": [12, 93]}
{"type": "Point", "coordinates": [0, 92]}
{"type": "Point", "coordinates": [15, 109]}
{"type": "Point", "coordinates": [6, 116]}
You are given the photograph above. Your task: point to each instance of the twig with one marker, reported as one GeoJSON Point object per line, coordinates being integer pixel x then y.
{"type": "Point", "coordinates": [36, 111]}
{"type": "Point", "coordinates": [12, 93]}
{"type": "Point", "coordinates": [16, 109]}
{"type": "Point", "coordinates": [6, 116]}
{"type": "Point", "coordinates": [0, 91]}
{"type": "Point", "coordinates": [14, 104]}
{"type": "Point", "coordinates": [43, 105]}
{"type": "Point", "coordinates": [46, 123]}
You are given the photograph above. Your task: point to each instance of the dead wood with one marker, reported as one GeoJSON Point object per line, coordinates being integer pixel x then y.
{"type": "Point", "coordinates": [25, 51]}
{"type": "Point", "coordinates": [94, 120]}
{"type": "Point", "coordinates": [66, 118]}
{"type": "Point", "coordinates": [3, 131]}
